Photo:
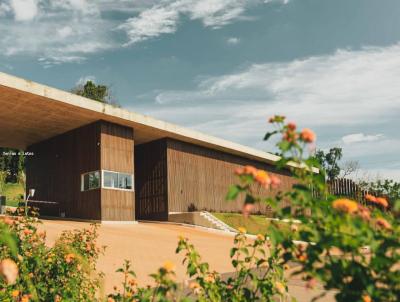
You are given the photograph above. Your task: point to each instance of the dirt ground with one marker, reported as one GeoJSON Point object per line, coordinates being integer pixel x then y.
{"type": "Point", "coordinates": [149, 245]}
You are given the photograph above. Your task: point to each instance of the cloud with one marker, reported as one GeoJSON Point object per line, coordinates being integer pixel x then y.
{"type": "Point", "coordinates": [24, 10]}
{"type": "Point", "coordinates": [164, 17]}
{"type": "Point", "coordinates": [61, 31]}
{"type": "Point", "coordinates": [233, 40]}
{"type": "Point", "coordinates": [360, 137]}
{"type": "Point", "coordinates": [336, 94]}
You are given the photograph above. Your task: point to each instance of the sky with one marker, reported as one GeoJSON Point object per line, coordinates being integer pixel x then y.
{"type": "Point", "coordinates": [224, 66]}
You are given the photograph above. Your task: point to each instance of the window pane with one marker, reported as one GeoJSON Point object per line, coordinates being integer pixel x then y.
{"type": "Point", "coordinates": [125, 181]}
{"type": "Point", "coordinates": [110, 179]}
{"type": "Point", "coordinates": [86, 182]}
{"type": "Point", "coordinates": [94, 180]}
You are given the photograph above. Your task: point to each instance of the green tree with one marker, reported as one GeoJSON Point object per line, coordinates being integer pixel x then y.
{"type": "Point", "coordinates": [100, 93]}
{"type": "Point", "coordinates": [12, 161]}
{"type": "Point", "coordinates": [330, 161]}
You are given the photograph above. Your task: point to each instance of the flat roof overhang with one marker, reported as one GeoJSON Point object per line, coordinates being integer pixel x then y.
{"type": "Point", "coordinates": [31, 112]}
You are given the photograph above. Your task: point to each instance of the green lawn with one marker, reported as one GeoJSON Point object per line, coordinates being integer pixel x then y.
{"type": "Point", "coordinates": [254, 224]}
{"type": "Point", "coordinates": [13, 193]}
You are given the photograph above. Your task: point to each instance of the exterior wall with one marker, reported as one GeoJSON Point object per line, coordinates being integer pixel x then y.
{"type": "Point", "coordinates": [117, 154]}
{"type": "Point", "coordinates": [57, 165]}
{"type": "Point", "coordinates": [199, 178]}
{"type": "Point", "coordinates": [151, 180]}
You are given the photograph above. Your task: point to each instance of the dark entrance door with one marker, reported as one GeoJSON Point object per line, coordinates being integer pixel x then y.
{"type": "Point", "coordinates": [151, 181]}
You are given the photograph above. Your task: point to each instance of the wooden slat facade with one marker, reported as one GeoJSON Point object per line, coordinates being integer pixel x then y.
{"type": "Point", "coordinates": [57, 165]}
{"type": "Point", "coordinates": [151, 181]}
{"type": "Point", "coordinates": [199, 177]}
{"type": "Point", "coordinates": [173, 176]}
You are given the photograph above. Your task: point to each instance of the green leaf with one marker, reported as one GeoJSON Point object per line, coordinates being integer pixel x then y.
{"type": "Point", "coordinates": [269, 134]}
{"type": "Point", "coordinates": [233, 192]}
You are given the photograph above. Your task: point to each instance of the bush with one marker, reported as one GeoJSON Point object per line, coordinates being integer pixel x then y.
{"type": "Point", "coordinates": [31, 271]}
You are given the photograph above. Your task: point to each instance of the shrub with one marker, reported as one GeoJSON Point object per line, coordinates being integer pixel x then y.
{"type": "Point", "coordinates": [31, 271]}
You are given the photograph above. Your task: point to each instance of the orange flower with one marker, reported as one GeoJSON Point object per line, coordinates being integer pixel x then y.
{"type": "Point", "coordinates": [242, 230]}
{"type": "Point", "coordinates": [280, 287]}
{"type": "Point", "coordinates": [260, 237]}
{"type": "Point", "coordinates": [370, 198]}
{"type": "Point", "coordinates": [382, 201]}
{"type": "Point", "coordinates": [110, 299]}
{"type": "Point", "coordinates": [239, 171]}
{"type": "Point", "coordinates": [262, 178]}
{"type": "Point", "coordinates": [27, 231]}
{"type": "Point", "coordinates": [169, 266]}
{"type": "Point", "coordinates": [209, 278]}
{"type": "Point", "coordinates": [364, 213]}
{"type": "Point", "coordinates": [291, 126]}
{"type": "Point", "coordinates": [25, 298]}
{"type": "Point", "coordinates": [308, 135]}
{"type": "Point", "coordinates": [69, 258]}
{"type": "Point", "coordinates": [8, 220]}
{"type": "Point", "coordinates": [250, 170]}
{"type": "Point", "coordinates": [382, 222]}
{"type": "Point", "coordinates": [247, 208]}
{"type": "Point", "coordinates": [366, 298]}
{"type": "Point", "coordinates": [345, 205]}
{"type": "Point", "coordinates": [9, 271]}
{"type": "Point", "coordinates": [275, 181]}
{"type": "Point", "coordinates": [15, 293]}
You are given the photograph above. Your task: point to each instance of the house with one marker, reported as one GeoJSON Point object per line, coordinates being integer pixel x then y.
{"type": "Point", "coordinates": [99, 162]}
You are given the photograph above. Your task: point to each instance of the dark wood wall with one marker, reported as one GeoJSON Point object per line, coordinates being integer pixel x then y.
{"type": "Point", "coordinates": [55, 169]}
{"type": "Point", "coordinates": [57, 165]}
{"type": "Point", "coordinates": [151, 180]}
{"type": "Point", "coordinates": [200, 177]}
{"type": "Point", "coordinates": [117, 154]}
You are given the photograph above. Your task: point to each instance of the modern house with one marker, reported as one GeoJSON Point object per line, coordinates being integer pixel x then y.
{"type": "Point", "coordinates": [99, 162]}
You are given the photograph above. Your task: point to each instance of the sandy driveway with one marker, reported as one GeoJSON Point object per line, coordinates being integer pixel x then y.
{"type": "Point", "coordinates": [148, 245]}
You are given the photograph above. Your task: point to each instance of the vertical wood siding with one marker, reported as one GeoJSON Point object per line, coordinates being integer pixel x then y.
{"type": "Point", "coordinates": [199, 177]}
{"type": "Point", "coordinates": [151, 181]}
{"type": "Point", "coordinates": [117, 154]}
{"type": "Point", "coordinates": [56, 167]}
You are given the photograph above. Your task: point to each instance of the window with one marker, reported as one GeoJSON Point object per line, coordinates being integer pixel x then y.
{"type": "Point", "coordinates": [91, 181]}
{"type": "Point", "coordinates": [116, 180]}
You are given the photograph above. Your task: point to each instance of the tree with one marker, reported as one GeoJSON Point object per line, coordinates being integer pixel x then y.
{"type": "Point", "coordinates": [100, 93]}
{"type": "Point", "coordinates": [349, 168]}
{"type": "Point", "coordinates": [330, 161]}
{"type": "Point", "coordinates": [12, 161]}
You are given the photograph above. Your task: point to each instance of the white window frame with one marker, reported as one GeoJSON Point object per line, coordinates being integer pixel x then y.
{"type": "Point", "coordinates": [120, 189]}
{"type": "Point", "coordinates": [101, 181]}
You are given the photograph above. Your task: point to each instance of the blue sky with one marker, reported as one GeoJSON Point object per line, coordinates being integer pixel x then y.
{"type": "Point", "coordinates": [224, 66]}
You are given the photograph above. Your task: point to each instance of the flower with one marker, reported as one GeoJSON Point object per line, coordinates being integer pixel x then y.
{"type": "Point", "coordinates": [242, 230]}
{"type": "Point", "coordinates": [294, 228]}
{"type": "Point", "coordinates": [382, 222]}
{"type": "Point", "coordinates": [260, 237]}
{"type": "Point", "coordinates": [15, 293]}
{"type": "Point", "coordinates": [57, 298]}
{"type": "Point", "coordinates": [69, 257]}
{"type": "Point", "coordinates": [110, 299]}
{"type": "Point", "coordinates": [291, 126]}
{"type": "Point", "coordinates": [8, 220]}
{"type": "Point", "coordinates": [366, 298]}
{"type": "Point", "coordinates": [195, 287]}
{"type": "Point", "coordinates": [275, 181]}
{"type": "Point", "coordinates": [370, 198]}
{"type": "Point", "coordinates": [345, 205]}
{"type": "Point", "coordinates": [9, 271]}
{"type": "Point", "coordinates": [364, 212]}
{"type": "Point", "coordinates": [382, 201]}
{"type": "Point", "coordinates": [25, 298]}
{"type": "Point", "coordinates": [169, 266]}
{"type": "Point", "coordinates": [247, 208]}
{"type": "Point", "coordinates": [27, 232]}
{"type": "Point", "coordinates": [262, 177]}
{"type": "Point", "coordinates": [308, 135]}
{"type": "Point", "coordinates": [250, 170]}
{"type": "Point", "coordinates": [209, 278]}
{"type": "Point", "coordinates": [280, 287]}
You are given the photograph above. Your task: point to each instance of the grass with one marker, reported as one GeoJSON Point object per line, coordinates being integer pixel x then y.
{"type": "Point", "coordinates": [13, 193]}
{"type": "Point", "coordinates": [254, 224]}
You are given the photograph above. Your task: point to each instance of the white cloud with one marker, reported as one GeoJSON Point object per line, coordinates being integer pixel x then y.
{"type": "Point", "coordinates": [360, 137]}
{"type": "Point", "coordinates": [24, 10]}
{"type": "Point", "coordinates": [233, 40]}
{"type": "Point", "coordinates": [68, 30]}
{"type": "Point", "coordinates": [337, 94]}
{"type": "Point", "coordinates": [164, 17]}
